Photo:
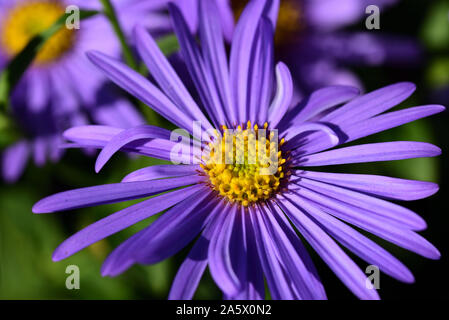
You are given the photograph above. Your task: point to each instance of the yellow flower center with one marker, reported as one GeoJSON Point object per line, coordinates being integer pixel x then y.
{"type": "Point", "coordinates": [28, 19]}
{"type": "Point", "coordinates": [246, 165]}
{"type": "Point", "coordinates": [289, 23]}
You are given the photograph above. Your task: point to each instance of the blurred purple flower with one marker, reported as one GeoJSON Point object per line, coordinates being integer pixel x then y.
{"type": "Point", "coordinates": [242, 219]}
{"type": "Point", "coordinates": [62, 88]}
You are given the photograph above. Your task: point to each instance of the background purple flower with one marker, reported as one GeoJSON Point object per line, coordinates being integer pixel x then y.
{"type": "Point", "coordinates": [243, 243]}
{"type": "Point", "coordinates": [67, 90]}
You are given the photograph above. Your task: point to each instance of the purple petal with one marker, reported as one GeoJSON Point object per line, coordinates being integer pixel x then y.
{"type": "Point", "coordinates": [167, 235]}
{"type": "Point", "coordinates": [383, 151]}
{"type": "Point", "coordinates": [166, 76]}
{"type": "Point", "coordinates": [226, 18]}
{"type": "Point", "coordinates": [38, 91]}
{"type": "Point", "coordinates": [371, 104]}
{"type": "Point", "coordinates": [348, 272]}
{"type": "Point", "coordinates": [387, 187]}
{"type": "Point", "coordinates": [274, 274]}
{"type": "Point", "coordinates": [219, 254]}
{"type": "Point", "coordinates": [372, 223]}
{"type": "Point", "coordinates": [300, 249]}
{"type": "Point", "coordinates": [120, 220]}
{"type": "Point", "coordinates": [140, 87]}
{"type": "Point", "coordinates": [174, 229]}
{"type": "Point", "coordinates": [91, 134]}
{"type": "Point", "coordinates": [238, 254]}
{"type": "Point", "coordinates": [109, 193]}
{"type": "Point", "coordinates": [398, 215]}
{"type": "Point", "coordinates": [242, 46]}
{"type": "Point", "coordinates": [332, 137]}
{"type": "Point", "coordinates": [14, 160]}
{"type": "Point", "coordinates": [39, 151]}
{"type": "Point", "coordinates": [99, 136]}
{"type": "Point", "coordinates": [127, 136]}
{"type": "Point", "coordinates": [344, 12]}
{"type": "Point", "coordinates": [357, 243]}
{"type": "Point", "coordinates": [214, 54]}
{"type": "Point", "coordinates": [320, 101]}
{"type": "Point", "coordinates": [353, 131]}
{"type": "Point", "coordinates": [283, 97]}
{"type": "Point", "coordinates": [189, 274]}
{"type": "Point", "coordinates": [389, 120]}
{"type": "Point", "coordinates": [200, 74]}
{"type": "Point", "coordinates": [255, 284]}
{"type": "Point", "coordinates": [294, 265]}
{"type": "Point", "coordinates": [161, 171]}
{"type": "Point", "coordinates": [261, 71]}
{"type": "Point", "coordinates": [119, 113]}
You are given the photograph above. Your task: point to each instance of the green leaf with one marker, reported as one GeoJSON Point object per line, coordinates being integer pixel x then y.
{"type": "Point", "coordinates": [19, 64]}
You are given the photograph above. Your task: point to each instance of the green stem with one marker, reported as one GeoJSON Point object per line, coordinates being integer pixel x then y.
{"type": "Point", "coordinates": [112, 16]}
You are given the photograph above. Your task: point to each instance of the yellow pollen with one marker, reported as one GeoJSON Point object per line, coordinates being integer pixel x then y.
{"type": "Point", "coordinates": [245, 166]}
{"type": "Point", "coordinates": [28, 19]}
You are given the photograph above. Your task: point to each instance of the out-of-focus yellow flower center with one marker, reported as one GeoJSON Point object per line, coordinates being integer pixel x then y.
{"type": "Point", "coordinates": [29, 19]}
{"type": "Point", "coordinates": [246, 165]}
{"type": "Point", "coordinates": [289, 23]}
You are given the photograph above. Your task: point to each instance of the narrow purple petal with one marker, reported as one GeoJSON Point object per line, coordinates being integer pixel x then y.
{"type": "Point", "coordinates": [166, 76]}
{"type": "Point", "coordinates": [353, 131]}
{"type": "Point", "coordinates": [91, 134]}
{"type": "Point", "coordinates": [371, 104]}
{"type": "Point", "coordinates": [164, 237]}
{"type": "Point", "coordinates": [39, 151]}
{"type": "Point", "coordinates": [120, 220]}
{"type": "Point", "coordinates": [14, 159]}
{"type": "Point", "coordinates": [387, 187]}
{"type": "Point", "coordinates": [377, 225]}
{"type": "Point", "coordinates": [389, 120]}
{"type": "Point", "coordinates": [214, 54]}
{"type": "Point", "coordinates": [398, 215]}
{"type": "Point", "coordinates": [349, 273]}
{"type": "Point", "coordinates": [383, 151]}
{"type": "Point", "coordinates": [241, 53]}
{"type": "Point", "coordinates": [283, 97]}
{"type": "Point", "coordinates": [162, 171]}
{"type": "Point", "coordinates": [276, 279]}
{"type": "Point", "coordinates": [109, 193]}
{"type": "Point", "coordinates": [98, 137]}
{"type": "Point", "coordinates": [38, 91]}
{"type": "Point", "coordinates": [191, 270]}
{"type": "Point", "coordinates": [261, 71]}
{"type": "Point", "coordinates": [255, 284]}
{"type": "Point", "coordinates": [140, 87]}
{"type": "Point", "coordinates": [175, 229]}
{"type": "Point", "coordinates": [195, 64]}
{"type": "Point", "coordinates": [320, 101]}
{"type": "Point", "coordinates": [300, 249]}
{"type": "Point", "coordinates": [294, 265]}
{"type": "Point", "coordinates": [332, 137]}
{"type": "Point", "coordinates": [127, 136]}
{"type": "Point", "coordinates": [220, 265]}
{"type": "Point", "coordinates": [362, 246]}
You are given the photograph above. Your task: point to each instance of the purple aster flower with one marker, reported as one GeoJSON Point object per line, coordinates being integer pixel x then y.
{"type": "Point", "coordinates": [242, 220]}
{"type": "Point", "coordinates": [56, 93]}
{"type": "Point", "coordinates": [311, 39]}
